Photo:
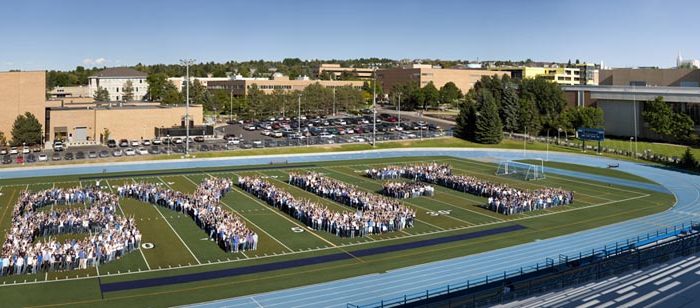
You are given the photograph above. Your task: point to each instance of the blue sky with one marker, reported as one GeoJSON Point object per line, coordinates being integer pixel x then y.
{"type": "Point", "coordinates": [51, 34]}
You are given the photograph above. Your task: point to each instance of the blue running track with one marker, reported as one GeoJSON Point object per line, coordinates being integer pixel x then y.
{"type": "Point", "coordinates": [371, 288]}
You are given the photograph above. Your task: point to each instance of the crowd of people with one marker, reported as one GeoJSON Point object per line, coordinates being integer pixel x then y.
{"type": "Point", "coordinates": [501, 198]}
{"type": "Point", "coordinates": [37, 217]}
{"type": "Point", "coordinates": [227, 229]}
{"type": "Point", "coordinates": [406, 190]}
{"type": "Point", "coordinates": [368, 218]}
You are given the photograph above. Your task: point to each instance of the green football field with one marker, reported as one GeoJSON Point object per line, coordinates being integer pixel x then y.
{"type": "Point", "coordinates": [179, 246]}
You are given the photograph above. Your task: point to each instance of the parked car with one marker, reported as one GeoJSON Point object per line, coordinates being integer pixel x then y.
{"type": "Point", "coordinates": [233, 140]}
{"type": "Point", "coordinates": [154, 150]}
{"type": "Point", "coordinates": [68, 156]}
{"type": "Point", "coordinates": [103, 154]}
{"type": "Point", "coordinates": [92, 154]}
{"type": "Point", "coordinates": [146, 142]}
{"type": "Point", "coordinates": [20, 159]}
{"type": "Point", "coordinates": [43, 157]}
{"type": "Point", "coordinates": [199, 139]}
{"type": "Point", "coordinates": [177, 140]}
{"type": "Point", "coordinates": [134, 143]}
{"type": "Point", "coordinates": [157, 142]}
{"type": "Point", "coordinates": [56, 156]}
{"type": "Point", "coordinates": [117, 153]}
{"type": "Point", "coordinates": [13, 151]}
{"type": "Point", "coordinates": [123, 143]}
{"type": "Point", "coordinates": [80, 155]}
{"type": "Point", "coordinates": [142, 151]}
{"type": "Point", "coordinates": [7, 159]}
{"type": "Point", "coordinates": [58, 146]}
{"type": "Point", "coordinates": [3, 151]}
{"type": "Point", "coordinates": [25, 150]}
{"type": "Point", "coordinates": [129, 152]}
{"type": "Point", "coordinates": [111, 143]}
{"type": "Point", "coordinates": [30, 158]}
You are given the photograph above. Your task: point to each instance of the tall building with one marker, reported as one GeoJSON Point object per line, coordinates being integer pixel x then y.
{"type": "Point", "coordinates": [423, 74]}
{"type": "Point", "coordinates": [115, 79]}
{"type": "Point", "coordinates": [21, 92]}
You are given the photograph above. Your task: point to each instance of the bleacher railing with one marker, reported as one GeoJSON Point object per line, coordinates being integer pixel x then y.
{"type": "Point", "coordinates": [612, 249]}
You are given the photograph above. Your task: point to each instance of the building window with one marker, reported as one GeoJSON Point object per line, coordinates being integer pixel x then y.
{"type": "Point", "coordinates": [117, 91]}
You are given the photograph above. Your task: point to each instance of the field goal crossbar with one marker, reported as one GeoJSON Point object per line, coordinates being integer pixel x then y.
{"type": "Point", "coordinates": [521, 170]}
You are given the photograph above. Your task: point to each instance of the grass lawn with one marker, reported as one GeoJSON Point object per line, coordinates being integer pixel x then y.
{"type": "Point", "coordinates": [597, 170]}
{"type": "Point", "coordinates": [180, 247]}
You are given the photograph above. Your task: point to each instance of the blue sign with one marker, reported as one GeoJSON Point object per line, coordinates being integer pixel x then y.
{"type": "Point", "coordinates": [596, 134]}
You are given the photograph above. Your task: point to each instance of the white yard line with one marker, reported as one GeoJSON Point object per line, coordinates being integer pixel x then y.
{"type": "Point", "coordinates": [171, 227]}
{"type": "Point", "coordinates": [122, 211]}
{"type": "Point", "coordinates": [243, 192]}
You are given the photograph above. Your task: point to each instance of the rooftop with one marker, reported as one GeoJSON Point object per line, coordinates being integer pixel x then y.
{"type": "Point", "coordinates": [113, 72]}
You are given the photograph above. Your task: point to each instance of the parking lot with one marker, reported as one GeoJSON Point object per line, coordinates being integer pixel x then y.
{"type": "Point", "coordinates": [268, 133]}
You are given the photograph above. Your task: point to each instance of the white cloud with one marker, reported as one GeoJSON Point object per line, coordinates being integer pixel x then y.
{"type": "Point", "coordinates": [98, 61]}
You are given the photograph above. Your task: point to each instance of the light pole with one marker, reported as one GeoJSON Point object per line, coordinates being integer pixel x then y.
{"type": "Point", "coordinates": [634, 109]}
{"type": "Point", "coordinates": [374, 107]}
{"type": "Point", "coordinates": [631, 138]}
{"type": "Point", "coordinates": [230, 110]}
{"type": "Point", "coordinates": [299, 116]}
{"type": "Point", "coordinates": [187, 63]}
{"type": "Point", "coordinates": [333, 101]}
{"type": "Point", "coordinates": [400, 109]}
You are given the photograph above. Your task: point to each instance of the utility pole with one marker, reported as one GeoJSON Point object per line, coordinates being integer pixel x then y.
{"type": "Point", "coordinates": [187, 63]}
{"type": "Point", "coordinates": [299, 117]}
{"type": "Point", "coordinates": [333, 101]}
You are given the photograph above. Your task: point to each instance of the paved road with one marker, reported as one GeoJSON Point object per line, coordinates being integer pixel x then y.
{"type": "Point", "coordinates": [395, 283]}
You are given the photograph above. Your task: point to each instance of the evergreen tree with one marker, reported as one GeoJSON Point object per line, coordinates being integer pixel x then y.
{"type": "Point", "coordinates": [688, 161]}
{"type": "Point", "coordinates": [528, 117]}
{"type": "Point", "coordinates": [450, 93]}
{"type": "Point", "coordinates": [489, 129]}
{"type": "Point", "coordinates": [466, 120]}
{"type": "Point", "coordinates": [26, 130]}
{"type": "Point", "coordinates": [3, 140]}
{"type": "Point", "coordinates": [510, 109]}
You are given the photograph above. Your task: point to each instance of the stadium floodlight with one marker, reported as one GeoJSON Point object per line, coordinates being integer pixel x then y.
{"type": "Point", "coordinates": [520, 170]}
{"type": "Point", "coordinates": [187, 63]}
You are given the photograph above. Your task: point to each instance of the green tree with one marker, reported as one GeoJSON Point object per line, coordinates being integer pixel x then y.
{"type": "Point", "coordinates": [510, 109]}
{"type": "Point", "coordinates": [157, 86]}
{"type": "Point", "coordinates": [317, 99]}
{"type": "Point", "coordinates": [3, 139]}
{"type": "Point", "coordinates": [665, 122]}
{"type": "Point", "coordinates": [683, 127]}
{"type": "Point", "coordinates": [547, 96]}
{"type": "Point", "coordinates": [348, 98]}
{"type": "Point", "coordinates": [411, 95]}
{"type": "Point", "coordinates": [170, 95]}
{"type": "Point", "coordinates": [489, 129]}
{"type": "Point", "coordinates": [26, 130]}
{"type": "Point", "coordinates": [101, 95]}
{"type": "Point", "coordinates": [128, 89]}
{"type": "Point", "coordinates": [466, 120]}
{"type": "Point", "coordinates": [450, 93]}
{"type": "Point", "coordinates": [581, 117]}
{"type": "Point", "coordinates": [431, 96]}
{"type": "Point", "coordinates": [688, 161]}
{"type": "Point", "coordinates": [528, 116]}
{"type": "Point", "coordinates": [106, 133]}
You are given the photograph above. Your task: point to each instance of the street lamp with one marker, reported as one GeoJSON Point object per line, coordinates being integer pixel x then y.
{"type": "Point", "coordinates": [631, 139]}
{"type": "Point", "coordinates": [187, 63]}
{"type": "Point", "coordinates": [299, 116]}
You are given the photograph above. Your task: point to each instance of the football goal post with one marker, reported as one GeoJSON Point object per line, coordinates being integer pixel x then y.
{"type": "Point", "coordinates": [520, 170]}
